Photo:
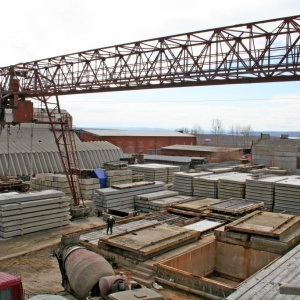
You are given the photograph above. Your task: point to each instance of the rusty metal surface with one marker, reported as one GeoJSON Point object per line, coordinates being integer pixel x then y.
{"type": "Point", "coordinates": [263, 51]}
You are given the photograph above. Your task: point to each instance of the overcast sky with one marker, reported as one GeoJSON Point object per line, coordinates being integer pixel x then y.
{"type": "Point", "coordinates": [36, 29]}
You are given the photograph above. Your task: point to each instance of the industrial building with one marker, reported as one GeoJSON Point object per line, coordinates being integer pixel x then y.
{"type": "Point", "coordinates": [281, 153]}
{"type": "Point", "coordinates": [198, 151]}
{"type": "Point", "coordinates": [31, 149]}
{"type": "Point", "coordinates": [138, 141]}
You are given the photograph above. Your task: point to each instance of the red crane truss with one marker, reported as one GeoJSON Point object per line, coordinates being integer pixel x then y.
{"type": "Point", "coordinates": [264, 51]}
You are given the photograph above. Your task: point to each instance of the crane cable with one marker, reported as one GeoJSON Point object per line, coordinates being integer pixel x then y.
{"type": "Point", "coordinates": [19, 132]}
{"type": "Point", "coordinates": [8, 150]}
{"type": "Point", "coordinates": [31, 151]}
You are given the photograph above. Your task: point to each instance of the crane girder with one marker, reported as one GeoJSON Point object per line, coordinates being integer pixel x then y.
{"type": "Point", "coordinates": [264, 51]}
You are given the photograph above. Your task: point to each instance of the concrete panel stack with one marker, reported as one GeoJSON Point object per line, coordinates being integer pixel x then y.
{"type": "Point", "coordinates": [88, 187]}
{"type": "Point", "coordinates": [25, 213]}
{"type": "Point", "coordinates": [184, 182]}
{"type": "Point", "coordinates": [263, 190]}
{"type": "Point", "coordinates": [264, 231]}
{"type": "Point", "coordinates": [158, 200]}
{"type": "Point", "coordinates": [162, 204]}
{"type": "Point", "coordinates": [59, 182]}
{"type": "Point", "coordinates": [122, 196]}
{"type": "Point", "coordinates": [287, 196]}
{"type": "Point", "coordinates": [233, 186]}
{"type": "Point", "coordinates": [49, 181]}
{"type": "Point", "coordinates": [115, 177]}
{"type": "Point", "coordinates": [206, 186]}
{"type": "Point", "coordinates": [152, 172]}
{"type": "Point", "coordinates": [171, 170]}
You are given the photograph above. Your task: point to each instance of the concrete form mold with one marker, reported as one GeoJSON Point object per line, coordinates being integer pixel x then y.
{"type": "Point", "coordinates": [214, 268]}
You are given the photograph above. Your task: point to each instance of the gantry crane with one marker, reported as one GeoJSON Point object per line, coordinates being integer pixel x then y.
{"type": "Point", "coordinates": [264, 51]}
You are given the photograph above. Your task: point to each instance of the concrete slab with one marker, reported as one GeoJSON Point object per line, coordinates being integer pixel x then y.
{"type": "Point", "coordinates": [136, 244]}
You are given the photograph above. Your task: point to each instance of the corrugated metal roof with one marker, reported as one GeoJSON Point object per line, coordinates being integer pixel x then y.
{"type": "Point", "coordinates": [200, 148]}
{"type": "Point", "coordinates": [108, 132]}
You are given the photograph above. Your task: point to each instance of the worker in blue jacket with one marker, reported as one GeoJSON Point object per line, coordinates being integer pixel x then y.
{"type": "Point", "coordinates": [110, 223]}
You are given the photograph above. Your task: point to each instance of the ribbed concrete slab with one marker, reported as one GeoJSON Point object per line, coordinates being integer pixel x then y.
{"type": "Point", "coordinates": [287, 195]}
{"type": "Point", "coordinates": [33, 229]}
{"type": "Point", "coordinates": [6, 199]}
{"type": "Point", "coordinates": [184, 182]}
{"type": "Point", "coordinates": [156, 172]}
{"type": "Point", "coordinates": [263, 189]}
{"type": "Point", "coordinates": [196, 205]}
{"type": "Point", "coordinates": [136, 243]}
{"type": "Point", "coordinates": [30, 212]}
{"type": "Point", "coordinates": [124, 196]}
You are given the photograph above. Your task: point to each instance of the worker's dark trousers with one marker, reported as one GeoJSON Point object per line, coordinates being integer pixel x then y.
{"type": "Point", "coordinates": [109, 228]}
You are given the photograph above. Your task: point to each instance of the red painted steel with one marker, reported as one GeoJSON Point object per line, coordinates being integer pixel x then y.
{"type": "Point", "coordinates": [24, 112]}
{"type": "Point", "coordinates": [264, 51]}
{"type": "Point", "coordinates": [12, 283]}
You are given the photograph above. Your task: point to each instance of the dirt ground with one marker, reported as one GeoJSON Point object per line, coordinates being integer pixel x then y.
{"type": "Point", "coordinates": [40, 275]}
{"type": "Point", "coordinates": [30, 258]}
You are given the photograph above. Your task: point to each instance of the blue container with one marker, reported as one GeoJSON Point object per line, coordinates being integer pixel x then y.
{"type": "Point", "coordinates": [100, 174]}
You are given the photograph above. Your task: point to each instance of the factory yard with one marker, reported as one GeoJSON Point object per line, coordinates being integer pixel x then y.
{"type": "Point", "coordinates": [30, 258]}
{"type": "Point", "coordinates": [185, 239]}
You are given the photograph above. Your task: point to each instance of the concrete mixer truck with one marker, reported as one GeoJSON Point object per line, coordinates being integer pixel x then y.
{"type": "Point", "coordinates": [88, 275]}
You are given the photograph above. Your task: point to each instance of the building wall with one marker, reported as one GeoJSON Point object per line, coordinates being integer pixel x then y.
{"type": "Point", "coordinates": [209, 155]}
{"type": "Point", "coordinates": [282, 153]}
{"type": "Point", "coordinates": [145, 144]}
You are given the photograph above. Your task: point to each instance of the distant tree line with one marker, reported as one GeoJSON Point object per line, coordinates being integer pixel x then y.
{"type": "Point", "coordinates": [238, 135]}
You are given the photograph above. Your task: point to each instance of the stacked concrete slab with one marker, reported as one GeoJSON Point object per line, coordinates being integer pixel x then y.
{"type": "Point", "coordinates": [158, 172]}
{"type": "Point", "coordinates": [59, 182]}
{"type": "Point", "coordinates": [171, 172]}
{"type": "Point", "coordinates": [151, 172]}
{"type": "Point", "coordinates": [118, 177]}
{"type": "Point", "coordinates": [265, 231]}
{"type": "Point", "coordinates": [88, 187]}
{"type": "Point", "coordinates": [206, 186]}
{"type": "Point", "coordinates": [263, 189]}
{"type": "Point", "coordinates": [25, 213]}
{"type": "Point", "coordinates": [158, 200]}
{"type": "Point", "coordinates": [233, 186]}
{"type": "Point", "coordinates": [287, 196]}
{"type": "Point", "coordinates": [123, 196]}
{"type": "Point", "coordinates": [184, 182]}
{"type": "Point", "coordinates": [161, 204]}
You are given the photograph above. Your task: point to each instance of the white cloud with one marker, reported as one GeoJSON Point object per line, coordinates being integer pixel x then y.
{"type": "Point", "coordinates": [37, 29]}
